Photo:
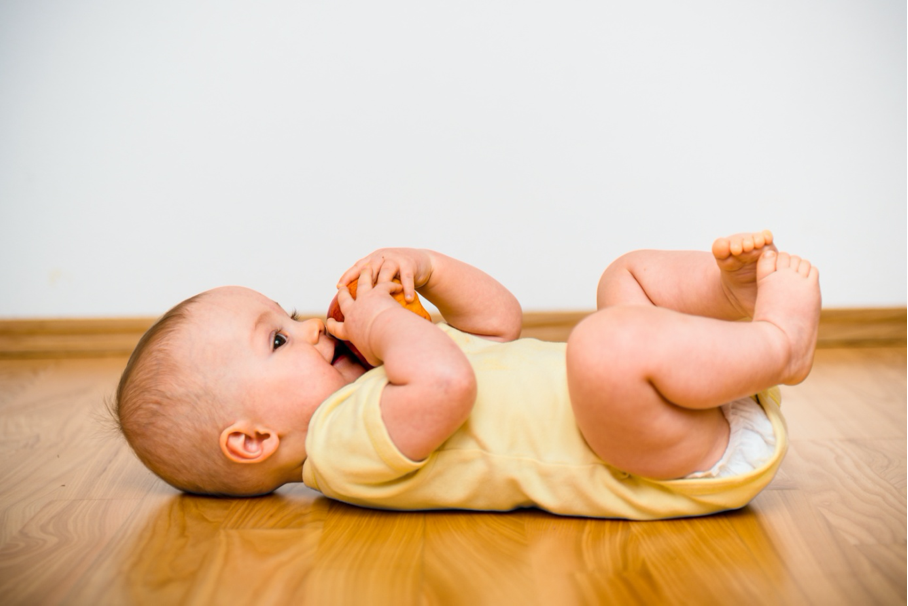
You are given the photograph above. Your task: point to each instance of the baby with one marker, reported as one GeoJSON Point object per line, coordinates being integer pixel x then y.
{"type": "Point", "coordinates": [661, 403]}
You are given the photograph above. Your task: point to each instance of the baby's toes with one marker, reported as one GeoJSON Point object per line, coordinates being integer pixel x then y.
{"type": "Point", "coordinates": [759, 240]}
{"type": "Point", "coordinates": [736, 245]}
{"type": "Point", "coordinates": [783, 261]}
{"type": "Point", "coordinates": [804, 267]}
{"type": "Point", "coordinates": [766, 264]}
{"type": "Point", "coordinates": [747, 243]}
{"type": "Point", "coordinates": [721, 248]}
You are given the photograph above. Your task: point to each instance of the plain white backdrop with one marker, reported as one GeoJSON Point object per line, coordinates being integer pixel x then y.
{"type": "Point", "coordinates": [151, 150]}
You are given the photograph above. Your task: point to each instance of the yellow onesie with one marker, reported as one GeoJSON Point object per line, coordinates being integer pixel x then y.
{"type": "Point", "coordinates": [520, 447]}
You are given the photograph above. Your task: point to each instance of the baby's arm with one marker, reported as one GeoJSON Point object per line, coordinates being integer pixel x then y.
{"type": "Point", "coordinates": [431, 386]}
{"type": "Point", "coordinates": [468, 298]}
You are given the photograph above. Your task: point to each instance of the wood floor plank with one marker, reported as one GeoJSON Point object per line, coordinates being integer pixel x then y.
{"type": "Point", "coordinates": [252, 566]}
{"type": "Point", "coordinates": [885, 457]}
{"type": "Point", "coordinates": [703, 561]}
{"type": "Point", "coordinates": [861, 506]}
{"type": "Point", "coordinates": [850, 394]}
{"type": "Point", "coordinates": [114, 576]}
{"type": "Point", "coordinates": [805, 543]}
{"type": "Point", "coordinates": [366, 554]}
{"type": "Point", "coordinates": [18, 375]}
{"type": "Point", "coordinates": [51, 552]}
{"type": "Point", "coordinates": [555, 553]}
{"type": "Point", "coordinates": [471, 558]}
{"type": "Point", "coordinates": [817, 560]}
{"type": "Point", "coordinates": [160, 562]}
{"type": "Point", "coordinates": [60, 449]}
{"type": "Point", "coordinates": [273, 512]}
{"type": "Point", "coordinates": [889, 561]}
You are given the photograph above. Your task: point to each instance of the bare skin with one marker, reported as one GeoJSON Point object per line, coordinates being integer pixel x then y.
{"type": "Point", "coordinates": [736, 256]}
{"type": "Point", "coordinates": [788, 297]}
{"type": "Point", "coordinates": [649, 370]}
{"type": "Point", "coordinates": [786, 286]}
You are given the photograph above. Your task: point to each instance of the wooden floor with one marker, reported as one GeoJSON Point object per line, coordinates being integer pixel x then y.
{"type": "Point", "coordinates": [84, 523]}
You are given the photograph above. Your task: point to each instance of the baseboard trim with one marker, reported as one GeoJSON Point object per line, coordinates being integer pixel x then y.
{"type": "Point", "coordinates": [103, 337]}
{"type": "Point", "coordinates": [852, 327]}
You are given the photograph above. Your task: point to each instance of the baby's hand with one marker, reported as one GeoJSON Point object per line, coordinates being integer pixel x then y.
{"type": "Point", "coordinates": [412, 266]}
{"type": "Point", "coordinates": [360, 313]}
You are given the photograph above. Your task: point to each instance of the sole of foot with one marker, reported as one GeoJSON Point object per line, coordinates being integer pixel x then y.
{"type": "Point", "coordinates": [788, 297]}
{"type": "Point", "coordinates": [737, 257]}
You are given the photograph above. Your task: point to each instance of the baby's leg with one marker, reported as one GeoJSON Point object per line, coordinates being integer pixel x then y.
{"type": "Point", "coordinates": [645, 382]}
{"type": "Point", "coordinates": [720, 285]}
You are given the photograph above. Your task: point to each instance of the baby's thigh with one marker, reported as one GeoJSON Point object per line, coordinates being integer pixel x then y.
{"type": "Point", "coordinates": [624, 419]}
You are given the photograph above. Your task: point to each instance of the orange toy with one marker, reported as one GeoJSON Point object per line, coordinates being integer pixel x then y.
{"type": "Point", "coordinates": [334, 311]}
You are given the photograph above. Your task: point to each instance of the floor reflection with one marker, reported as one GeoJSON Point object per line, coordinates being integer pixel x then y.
{"type": "Point", "coordinates": [303, 548]}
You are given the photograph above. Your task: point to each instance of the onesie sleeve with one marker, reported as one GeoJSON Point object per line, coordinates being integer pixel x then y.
{"type": "Point", "coordinates": [350, 455]}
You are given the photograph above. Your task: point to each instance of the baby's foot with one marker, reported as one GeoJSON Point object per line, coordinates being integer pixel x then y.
{"type": "Point", "coordinates": [788, 296]}
{"type": "Point", "coordinates": [737, 257]}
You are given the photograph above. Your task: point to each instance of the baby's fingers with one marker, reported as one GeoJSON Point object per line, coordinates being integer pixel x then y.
{"type": "Point", "coordinates": [336, 329]}
{"type": "Point", "coordinates": [357, 268]}
{"type": "Point", "coordinates": [388, 270]}
{"type": "Point", "coordinates": [406, 281]}
{"type": "Point", "coordinates": [364, 281]}
{"type": "Point", "coordinates": [344, 299]}
{"type": "Point", "coordinates": [390, 287]}
{"type": "Point", "coordinates": [351, 274]}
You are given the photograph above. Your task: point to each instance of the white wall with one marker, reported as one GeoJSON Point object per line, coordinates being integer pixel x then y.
{"type": "Point", "coordinates": [151, 150]}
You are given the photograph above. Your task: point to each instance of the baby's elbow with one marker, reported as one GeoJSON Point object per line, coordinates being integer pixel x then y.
{"type": "Point", "coordinates": [463, 384]}
{"type": "Point", "coordinates": [514, 327]}
{"type": "Point", "coordinates": [509, 323]}
{"type": "Point", "coordinates": [456, 385]}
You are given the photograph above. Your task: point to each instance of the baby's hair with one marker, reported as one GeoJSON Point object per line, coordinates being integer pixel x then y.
{"type": "Point", "coordinates": [169, 415]}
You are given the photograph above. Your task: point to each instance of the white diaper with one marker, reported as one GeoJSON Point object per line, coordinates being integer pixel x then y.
{"type": "Point", "coordinates": [751, 441]}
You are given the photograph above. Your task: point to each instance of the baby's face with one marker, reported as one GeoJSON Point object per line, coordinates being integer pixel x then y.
{"type": "Point", "coordinates": [257, 355]}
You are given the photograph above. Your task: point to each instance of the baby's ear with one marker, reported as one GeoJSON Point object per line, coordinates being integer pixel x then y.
{"type": "Point", "coordinates": [243, 442]}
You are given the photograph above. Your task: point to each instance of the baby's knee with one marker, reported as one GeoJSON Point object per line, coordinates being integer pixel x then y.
{"type": "Point", "coordinates": [606, 362]}
{"type": "Point", "coordinates": [615, 338]}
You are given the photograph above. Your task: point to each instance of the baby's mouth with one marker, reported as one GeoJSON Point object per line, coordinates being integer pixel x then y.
{"type": "Point", "coordinates": [340, 351]}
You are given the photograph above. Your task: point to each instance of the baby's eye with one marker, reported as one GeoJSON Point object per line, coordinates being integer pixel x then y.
{"type": "Point", "coordinates": [278, 341]}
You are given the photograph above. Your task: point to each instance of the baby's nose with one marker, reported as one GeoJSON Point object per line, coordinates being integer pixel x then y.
{"type": "Point", "coordinates": [312, 329]}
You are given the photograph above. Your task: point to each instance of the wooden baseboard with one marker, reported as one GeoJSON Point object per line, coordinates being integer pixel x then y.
{"type": "Point", "coordinates": [856, 327]}
{"type": "Point", "coordinates": [66, 338]}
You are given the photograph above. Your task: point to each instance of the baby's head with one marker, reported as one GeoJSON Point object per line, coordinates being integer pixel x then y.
{"type": "Point", "coordinates": [217, 396]}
